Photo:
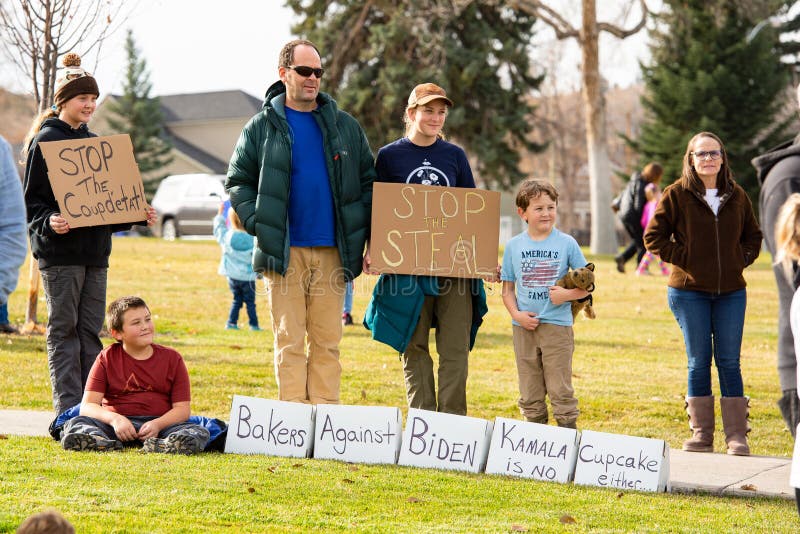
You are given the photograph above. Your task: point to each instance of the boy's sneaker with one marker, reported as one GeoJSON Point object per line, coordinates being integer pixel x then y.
{"type": "Point", "coordinates": [89, 442]}
{"type": "Point", "coordinates": [172, 444]}
{"type": "Point", "coordinates": [255, 328]}
{"type": "Point", "coordinates": [231, 326]}
{"type": "Point", "coordinates": [347, 319]}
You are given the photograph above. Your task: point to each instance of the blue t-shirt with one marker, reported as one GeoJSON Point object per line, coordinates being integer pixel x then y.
{"type": "Point", "coordinates": [311, 219]}
{"type": "Point", "coordinates": [441, 163]}
{"type": "Point", "coordinates": [535, 266]}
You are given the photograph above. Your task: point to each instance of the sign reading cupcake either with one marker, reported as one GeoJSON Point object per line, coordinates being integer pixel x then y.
{"type": "Point", "coordinates": [432, 230]}
{"type": "Point", "coordinates": [96, 180]}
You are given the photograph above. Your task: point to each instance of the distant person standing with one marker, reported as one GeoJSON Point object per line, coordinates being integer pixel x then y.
{"type": "Point", "coordinates": [653, 193]}
{"type": "Point", "coordinates": [705, 227]}
{"type": "Point", "coordinates": [12, 231]}
{"type": "Point", "coordinates": [300, 180]}
{"type": "Point", "coordinates": [632, 201]}
{"type": "Point", "coordinates": [778, 172]}
{"type": "Point", "coordinates": [73, 262]}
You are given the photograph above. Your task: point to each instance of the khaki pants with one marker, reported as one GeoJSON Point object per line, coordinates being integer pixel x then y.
{"type": "Point", "coordinates": [453, 312]}
{"type": "Point", "coordinates": [544, 366]}
{"type": "Point", "coordinates": [306, 308]}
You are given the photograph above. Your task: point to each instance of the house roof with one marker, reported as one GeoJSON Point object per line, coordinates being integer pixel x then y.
{"type": "Point", "coordinates": [216, 165]}
{"type": "Point", "coordinates": [209, 106]}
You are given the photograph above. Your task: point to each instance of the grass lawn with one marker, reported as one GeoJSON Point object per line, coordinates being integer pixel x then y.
{"type": "Point", "coordinates": [629, 376]}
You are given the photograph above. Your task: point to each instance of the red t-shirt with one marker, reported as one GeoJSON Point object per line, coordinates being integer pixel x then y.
{"type": "Point", "coordinates": [139, 387]}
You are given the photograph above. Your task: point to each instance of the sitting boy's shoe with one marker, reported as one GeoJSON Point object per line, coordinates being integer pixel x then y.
{"type": "Point", "coordinates": [89, 442]}
{"type": "Point", "coordinates": [347, 319]}
{"type": "Point", "coordinates": [172, 444]}
{"type": "Point", "coordinates": [7, 328]}
{"type": "Point", "coordinates": [231, 326]}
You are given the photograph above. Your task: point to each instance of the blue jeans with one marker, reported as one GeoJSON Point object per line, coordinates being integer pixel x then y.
{"type": "Point", "coordinates": [4, 314]}
{"type": "Point", "coordinates": [244, 292]}
{"type": "Point", "coordinates": [348, 297]}
{"type": "Point", "coordinates": [712, 325]}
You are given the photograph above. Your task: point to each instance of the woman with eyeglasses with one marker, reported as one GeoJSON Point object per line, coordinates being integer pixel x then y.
{"type": "Point", "coordinates": [73, 261]}
{"type": "Point", "coordinates": [705, 227]}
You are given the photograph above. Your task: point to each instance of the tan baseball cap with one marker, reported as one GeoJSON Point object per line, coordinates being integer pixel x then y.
{"type": "Point", "coordinates": [427, 92]}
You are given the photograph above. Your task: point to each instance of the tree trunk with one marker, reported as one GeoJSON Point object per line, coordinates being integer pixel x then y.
{"type": "Point", "coordinates": [603, 238]}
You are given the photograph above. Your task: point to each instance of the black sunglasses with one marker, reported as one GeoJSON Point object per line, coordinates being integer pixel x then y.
{"type": "Point", "coordinates": [302, 70]}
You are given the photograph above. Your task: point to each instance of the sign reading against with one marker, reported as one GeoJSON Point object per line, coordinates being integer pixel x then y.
{"type": "Point", "coordinates": [432, 230]}
{"type": "Point", "coordinates": [96, 180]}
{"type": "Point", "coordinates": [357, 434]}
{"type": "Point", "coordinates": [531, 450]}
{"type": "Point", "coordinates": [278, 428]}
{"type": "Point", "coordinates": [625, 462]}
{"type": "Point", "coordinates": [445, 441]}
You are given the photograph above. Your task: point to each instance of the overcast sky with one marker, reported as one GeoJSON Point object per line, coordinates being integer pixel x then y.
{"type": "Point", "coordinates": [205, 45]}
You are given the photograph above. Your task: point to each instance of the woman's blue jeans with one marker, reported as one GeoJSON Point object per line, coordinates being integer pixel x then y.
{"type": "Point", "coordinates": [712, 325]}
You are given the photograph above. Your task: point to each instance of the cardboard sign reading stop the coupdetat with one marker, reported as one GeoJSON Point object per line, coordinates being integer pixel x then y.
{"type": "Point", "coordinates": [96, 180]}
{"type": "Point", "coordinates": [431, 230]}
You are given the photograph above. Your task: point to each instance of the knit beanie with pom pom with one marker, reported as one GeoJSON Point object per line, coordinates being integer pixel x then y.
{"type": "Point", "coordinates": [72, 80]}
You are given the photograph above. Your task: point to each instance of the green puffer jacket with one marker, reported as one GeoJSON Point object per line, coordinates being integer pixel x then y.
{"type": "Point", "coordinates": [260, 172]}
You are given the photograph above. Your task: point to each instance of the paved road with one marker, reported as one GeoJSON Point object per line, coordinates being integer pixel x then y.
{"type": "Point", "coordinates": [689, 471]}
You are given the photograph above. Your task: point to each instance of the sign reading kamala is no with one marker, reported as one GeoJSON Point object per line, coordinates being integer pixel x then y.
{"type": "Point", "coordinates": [95, 180]}
{"type": "Point", "coordinates": [431, 230]}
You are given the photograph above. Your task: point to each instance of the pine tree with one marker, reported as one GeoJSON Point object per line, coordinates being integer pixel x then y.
{"type": "Point", "coordinates": [138, 114]}
{"type": "Point", "coordinates": [706, 75]}
{"type": "Point", "coordinates": [376, 51]}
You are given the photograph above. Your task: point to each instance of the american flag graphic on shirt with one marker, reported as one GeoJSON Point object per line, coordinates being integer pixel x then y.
{"type": "Point", "coordinates": [539, 272]}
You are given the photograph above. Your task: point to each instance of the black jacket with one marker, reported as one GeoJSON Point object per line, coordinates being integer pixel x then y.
{"type": "Point", "coordinates": [632, 201]}
{"type": "Point", "coordinates": [88, 246]}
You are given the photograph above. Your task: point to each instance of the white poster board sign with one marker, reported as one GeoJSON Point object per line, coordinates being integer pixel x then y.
{"type": "Point", "coordinates": [623, 462]}
{"type": "Point", "coordinates": [277, 428]}
{"type": "Point", "coordinates": [445, 441]}
{"type": "Point", "coordinates": [794, 477]}
{"type": "Point", "coordinates": [358, 434]}
{"type": "Point", "coordinates": [531, 450]}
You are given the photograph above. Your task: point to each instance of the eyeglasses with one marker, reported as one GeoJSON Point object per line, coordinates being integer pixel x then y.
{"type": "Point", "coordinates": [304, 71]}
{"type": "Point", "coordinates": [706, 154]}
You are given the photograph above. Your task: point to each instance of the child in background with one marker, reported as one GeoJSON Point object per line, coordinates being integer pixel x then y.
{"type": "Point", "coordinates": [653, 195]}
{"type": "Point", "coordinates": [347, 317]}
{"type": "Point", "coordinates": [237, 264]}
{"type": "Point", "coordinates": [137, 391]}
{"type": "Point", "coordinates": [540, 311]}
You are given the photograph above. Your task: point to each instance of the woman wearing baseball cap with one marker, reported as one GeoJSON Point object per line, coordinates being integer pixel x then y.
{"type": "Point", "coordinates": [453, 305]}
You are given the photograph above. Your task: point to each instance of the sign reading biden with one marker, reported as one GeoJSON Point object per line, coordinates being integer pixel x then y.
{"type": "Point", "coordinates": [430, 230]}
{"type": "Point", "coordinates": [445, 441]}
{"type": "Point", "coordinates": [96, 180]}
{"type": "Point", "coordinates": [278, 428]}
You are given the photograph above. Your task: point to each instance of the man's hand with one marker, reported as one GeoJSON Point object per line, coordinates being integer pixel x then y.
{"type": "Point", "coordinates": [152, 216]}
{"type": "Point", "coordinates": [59, 224]}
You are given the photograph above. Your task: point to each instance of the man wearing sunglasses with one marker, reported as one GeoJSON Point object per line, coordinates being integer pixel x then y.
{"type": "Point", "coordinates": [300, 179]}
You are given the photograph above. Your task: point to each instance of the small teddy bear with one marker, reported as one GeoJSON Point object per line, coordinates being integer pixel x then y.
{"type": "Point", "coordinates": [582, 278]}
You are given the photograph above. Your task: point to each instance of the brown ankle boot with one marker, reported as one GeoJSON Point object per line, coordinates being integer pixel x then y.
{"type": "Point", "coordinates": [701, 422]}
{"type": "Point", "coordinates": [735, 411]}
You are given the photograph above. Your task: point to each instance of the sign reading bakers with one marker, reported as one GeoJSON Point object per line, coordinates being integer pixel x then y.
{"type": "Point", "coordinates": [430, 230]}
{"type": "Point", "coordinates": [96, 180]}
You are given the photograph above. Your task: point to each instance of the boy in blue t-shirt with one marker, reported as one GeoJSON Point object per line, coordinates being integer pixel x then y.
{"type": "Point", "coordinates": [540, 311]}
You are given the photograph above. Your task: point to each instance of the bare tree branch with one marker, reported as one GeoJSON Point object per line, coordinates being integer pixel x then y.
{"type": "Point", "coordinates": [619, 32]}
{"type": "Point", "coordinates": [563, 29]}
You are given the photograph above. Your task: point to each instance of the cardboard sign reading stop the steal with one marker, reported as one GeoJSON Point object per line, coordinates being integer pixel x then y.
{"type": "Point", "coordinates": [96, 180]}
{"type": "Point", "coordinates": [431, 230]}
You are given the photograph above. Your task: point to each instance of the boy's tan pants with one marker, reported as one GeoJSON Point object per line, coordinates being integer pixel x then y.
{"type": "Point", "coordinates": [544, 366]}
{"type": "Point", "coordinates": [306, 307]}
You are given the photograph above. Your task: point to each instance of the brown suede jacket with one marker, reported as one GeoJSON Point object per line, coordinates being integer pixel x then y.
{"type": "Point", "coordinates": [708, 252]}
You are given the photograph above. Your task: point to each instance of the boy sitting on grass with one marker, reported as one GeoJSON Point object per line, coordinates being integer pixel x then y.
{"type": "Point", "coordinates": [540, 310]}
{"type": "Point", "coordinates": [137, 391]}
